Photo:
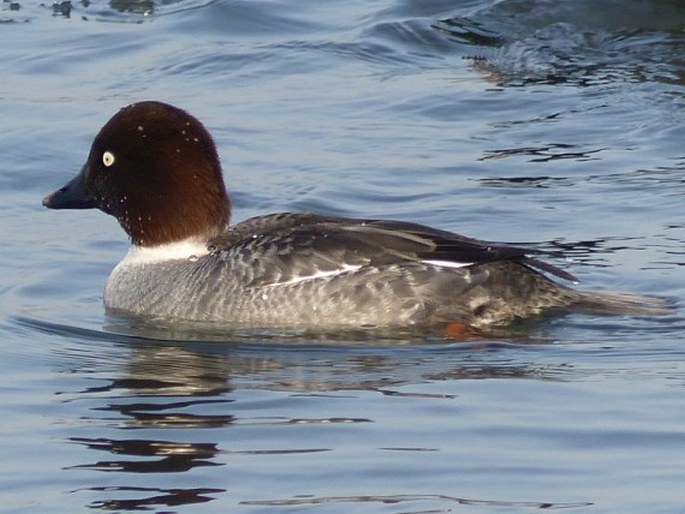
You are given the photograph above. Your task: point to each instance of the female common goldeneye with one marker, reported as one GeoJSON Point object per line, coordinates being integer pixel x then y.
{"type": "Point", "coordinates": [155, 168]}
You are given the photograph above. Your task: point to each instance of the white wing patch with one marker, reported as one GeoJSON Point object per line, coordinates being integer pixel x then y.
{"type": "Point", "coordinates": [346, 268]}
{"type": "Point", "coordinates": [448, 264]}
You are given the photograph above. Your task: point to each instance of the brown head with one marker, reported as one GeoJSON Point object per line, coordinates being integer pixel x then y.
{"type": "Point", "coordinates": [155, 168]}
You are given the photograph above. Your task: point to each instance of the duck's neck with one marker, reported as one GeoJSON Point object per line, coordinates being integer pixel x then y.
{"type": "Point", "coordinates": [186, 249]}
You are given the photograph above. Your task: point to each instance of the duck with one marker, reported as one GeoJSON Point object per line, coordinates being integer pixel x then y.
{"type": "Point", "coordinates": [155, 168]}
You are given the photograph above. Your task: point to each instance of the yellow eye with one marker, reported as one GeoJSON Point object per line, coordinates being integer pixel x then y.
{"type": "Point", "coordinates": [107, 159]}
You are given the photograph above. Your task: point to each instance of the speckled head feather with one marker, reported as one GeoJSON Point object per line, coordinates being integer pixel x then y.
{"type": "Point", "coordinates": [155, 168]}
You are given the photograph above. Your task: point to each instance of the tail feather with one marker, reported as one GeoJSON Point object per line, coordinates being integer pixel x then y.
{"type": "Point", "coordinates": [620, 303]}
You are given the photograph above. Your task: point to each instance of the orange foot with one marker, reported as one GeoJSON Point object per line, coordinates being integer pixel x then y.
{"type": "Point", "coordinates": [460, 331]}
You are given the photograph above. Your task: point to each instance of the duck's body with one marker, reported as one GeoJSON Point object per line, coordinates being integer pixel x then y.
{"type": "Point", "coordinates": [155, 168]}
{"type": "Point", "coordinates": [303, 269]}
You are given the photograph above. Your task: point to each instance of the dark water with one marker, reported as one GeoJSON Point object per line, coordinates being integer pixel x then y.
{"type": "Point", "coordinates": [556, 123]}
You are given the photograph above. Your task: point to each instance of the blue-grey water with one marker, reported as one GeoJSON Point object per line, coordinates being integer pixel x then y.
{"type": "Point", "coordinates": [555, 123]}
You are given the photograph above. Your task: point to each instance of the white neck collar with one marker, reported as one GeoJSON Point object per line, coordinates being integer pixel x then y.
{"type": "Point", "coordinates": [188, 249]}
